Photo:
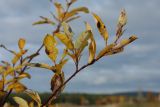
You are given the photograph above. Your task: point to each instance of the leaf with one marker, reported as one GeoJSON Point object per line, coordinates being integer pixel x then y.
{"type": "Point", "coordinates": [82, 41]}
{"type": "Point", "coordinates": [59, 9]}
{"type": "Point", "coordinates": [17, 87]}
{"type": "Point", "coordinates": [44, 21]}
{"type": "Point", "coordinates": [106, 50]}
{"type": "Point", "coordinates": [122, 18]}
{"type": "Point", "coordinates": [2, 94]}
{"type": "Point", "coordinates": [92, 45]}
{"type": "Point", "coordinates": [65, 40]}
{"type": "Point", "coordinates": [1, 84]}
{"type": "Point", "coordinates": [24, 75]}
{"type": "Point", "coordinates": [56, 81]}
{"type": "Point", "coordinates": [35, 96]}
{"type": "Point", "coordinates": [41, 65]}
{"type": "Point", "coordinates": [125, 42]}
{"type": "Point", "coordinates": [17, 56]}
{"type": "Point", "coordinates": [21, 43]}
{"type": "Point", "coordinates": [115, 51]}
{"type": "Point", "coordinates": [75, 12]}
{"type": "Point", "coordinates": [50, 47]}
{"type": "Point", "coordinates": [73, 1]}
{"type": "Point", "coordinates": [101, 27]}
{"type": "Point", "coordinates": [72, 18]}
{"type": "Point", "coordinates": [21, 102]}
{"type": "Point", "coordinates": [67, 29]}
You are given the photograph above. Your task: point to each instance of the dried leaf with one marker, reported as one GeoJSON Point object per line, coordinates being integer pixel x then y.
{"type": "Point", "coordinates": [122, 18]}
{"type": "Point", "coordinates": [21, 102]}
{"type": "Point", "coordinates": [56, 82]}
{"type": "Point", "coordinates": [101, 27]}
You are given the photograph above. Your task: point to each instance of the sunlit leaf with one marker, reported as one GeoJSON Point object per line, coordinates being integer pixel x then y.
{"type": "Point", "coordinates": [21, 102]}
{"type": "Point", "coordinates": [101, 27]}
{"type": "Point", "coordinates": [50, 47]}
{"type": "Point", "coordinates": [65, 40]}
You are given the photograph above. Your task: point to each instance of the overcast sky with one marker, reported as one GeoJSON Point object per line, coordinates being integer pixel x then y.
{"type": "Point", "coordinates": [138, 67]}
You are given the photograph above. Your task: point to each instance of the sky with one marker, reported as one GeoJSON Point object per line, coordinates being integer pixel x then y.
{"type": "Point", "coordinates": [137, 68]}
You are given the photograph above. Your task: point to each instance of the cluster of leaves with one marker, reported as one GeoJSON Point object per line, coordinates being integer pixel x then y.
{"type": "Point", "coordinates": [12, 73]}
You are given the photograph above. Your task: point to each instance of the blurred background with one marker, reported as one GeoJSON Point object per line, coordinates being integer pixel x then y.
{"type": "Point", "coordinates": [132, 76]}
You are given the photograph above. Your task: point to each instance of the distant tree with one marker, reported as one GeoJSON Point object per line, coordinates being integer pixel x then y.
{"type": "Point", "coordinates": [12, 73]}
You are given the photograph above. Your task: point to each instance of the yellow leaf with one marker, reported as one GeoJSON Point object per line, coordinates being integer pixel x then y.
{"type": "Point", "coordinates": [92, 45]}
{"type": "Point", "coordinates": [50, 47]}
{"type": "Point", "coordinates": [17, 87]}
{"type": "Point", "coordinates": [65, 40]}
{"type": "Point", "coordinates": [21, 43]}
{"type": "Point", "coordinates": [40, 65]}
{"type": "Point", "coordinates": [122, 18]}
{"type": "Point", "coordinates": [76, 11]}
{"type": "Point", "coordinates": [82, 40]}
{"type": "Point", "coordinates": [59, 9]}
{"type": "Point", "coordinates": [106, 50]}
{"type": "Point", "coordinates": [101, 27]}
{"type": "Point", "coordinates": [21, 102]}
{"type": "Point", "coordinates": [125, 42]}
{"type": "Point", "coordinates": [67, 29]}
{"type": "Point", "coordinates": [115, 51]}
{"type": "Point", "coordinates": [35, 96]}
{"type": "Point", "coordinates": [18, 56]}
{"type": "Point", "coordinates": [24, 75]}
